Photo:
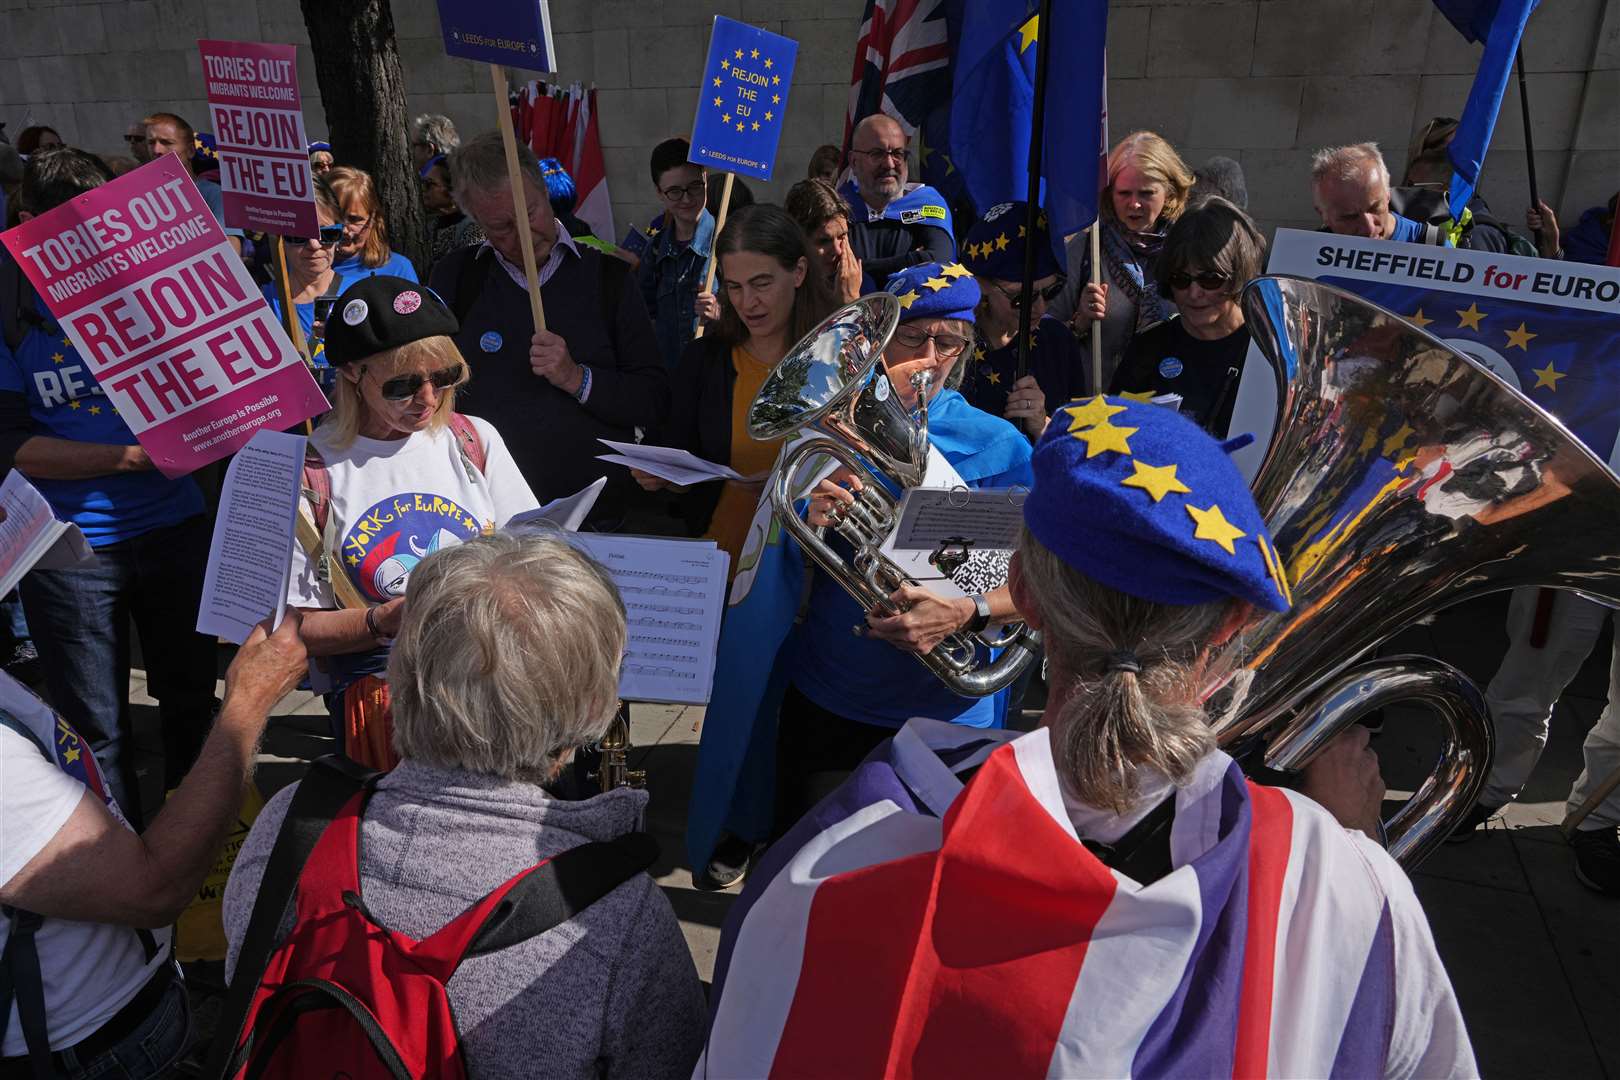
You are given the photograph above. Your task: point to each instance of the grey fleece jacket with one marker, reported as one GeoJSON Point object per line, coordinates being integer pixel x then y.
{"type": "Point", "coordinates": [610, 993]}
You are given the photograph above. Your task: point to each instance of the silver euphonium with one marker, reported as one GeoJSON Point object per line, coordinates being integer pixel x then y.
{"type": "Point", "coordinates": [1403, 477]}
{"type": "Point", "coordinates": [833, 384]}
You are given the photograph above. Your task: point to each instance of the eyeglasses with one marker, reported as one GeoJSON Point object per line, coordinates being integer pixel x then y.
{"type": "Point", "coordinates": [946, 345]}
{"type": "Point", "coordinates": [133, 138]}
{"type": "Point", "coordinates": [1208, 280]}
{"type": "Point", "coordinates": [900, 155]}
{"type": "Point", "coordinates": [404, 387]}
{"type": "Point", "coordinates": [695, 190]}
{"type": "Point", "coordinates": [1050, 293]}
{"type": "Point", "coordinates": [331, 236]}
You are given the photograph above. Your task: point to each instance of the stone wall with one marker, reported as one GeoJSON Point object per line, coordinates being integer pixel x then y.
{"type": "Point", "coordinates": [1263, 81]}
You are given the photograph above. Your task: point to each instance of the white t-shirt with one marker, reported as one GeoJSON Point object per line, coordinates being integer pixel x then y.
{"type": "Point", "coordinates": [90, 970]}
{"type": "Point", "coordinates": [396, 501]}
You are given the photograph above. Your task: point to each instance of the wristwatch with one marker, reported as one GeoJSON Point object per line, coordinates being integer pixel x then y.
{"type": "Point", "coordinates": [981, 614]}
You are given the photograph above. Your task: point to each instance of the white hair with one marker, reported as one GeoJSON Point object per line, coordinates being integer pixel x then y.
{"type": "Point", "coordinates": [437, 131]}
{"type": "Point", "coordinates": [1347, 163]}
{"type": "Point", "coordinates": [508, 658]}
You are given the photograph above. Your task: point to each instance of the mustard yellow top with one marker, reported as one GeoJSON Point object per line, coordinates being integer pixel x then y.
{"type": "Point", "coordinates": [739, 499]}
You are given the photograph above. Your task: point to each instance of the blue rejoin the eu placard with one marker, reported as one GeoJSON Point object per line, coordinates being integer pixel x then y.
{"type": "Point", "coordinates": [516, 33]}
{"type": "Point", "coordinates": [743, 98]}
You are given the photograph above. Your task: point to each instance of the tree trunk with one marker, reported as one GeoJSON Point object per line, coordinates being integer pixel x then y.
{"type": "Point", "coordinates": [363, 93]}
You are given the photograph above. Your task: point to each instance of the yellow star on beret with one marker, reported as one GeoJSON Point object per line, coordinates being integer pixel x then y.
{"type": "Point", "coordinates": [1105, 436]}
{"type": "Point", "coordinates": [1157, 480]}
{"type": "Point", "coordinates": [1144, 396]}
{"type": "Point", "coordinates": [1213, 526]}
{"type": "Point", "coordinates": [957, 270]}
{"type": "Point", "coordinates": [1002, 242]}
{"type": "Point", "coordinates": [936, 284]}
{"type": "Point", "coordinates": [909, 298]}
{"type": "Point", "coordinates": [1095, 411]}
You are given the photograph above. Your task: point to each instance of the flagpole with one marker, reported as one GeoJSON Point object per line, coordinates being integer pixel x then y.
{"type": "Point", "coordinates": [1043, 57]}
{"type": "Point", "coordinates": [719, 223]}
{"type": "Point", "coordinates": [1529, 143]}
{"type": "Point", "coordinates": [514, 173]}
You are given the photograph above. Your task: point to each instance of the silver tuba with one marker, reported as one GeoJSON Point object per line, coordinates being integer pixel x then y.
{"type": "Point", "coordinates": [1403, 477]}
{"type": "Point", "coordinates": [833, 384]}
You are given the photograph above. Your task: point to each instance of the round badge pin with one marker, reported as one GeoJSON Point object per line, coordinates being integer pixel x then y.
{"type": "Point", "coordinates": [355, 312]}
{"type": "Point", "coordinates": [490, 342]}
{"type": "Point", "coordinates": [407, 302]}
{"type": "Point", "coordinates": [1170, 367]}
{"type": "Point", "coordinates": [881, 390]}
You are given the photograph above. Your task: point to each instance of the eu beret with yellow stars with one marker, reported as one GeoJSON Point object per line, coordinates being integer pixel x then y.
{"type": "Point", "coordinates": [935, 291]}
{"type": "Point", "coordinates": [995, 246]}
{"type": "Point", "coordinates": [1138, 497]}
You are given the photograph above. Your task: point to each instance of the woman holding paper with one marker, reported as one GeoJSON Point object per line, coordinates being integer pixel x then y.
{"type": "Point", "coordinates": [769, 301]}
{"type": "Point", "coordinates": [394, 474]}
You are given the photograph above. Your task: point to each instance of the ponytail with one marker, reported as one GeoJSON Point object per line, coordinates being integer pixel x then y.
{"type": "Point", "coordinates": [1127, 667]}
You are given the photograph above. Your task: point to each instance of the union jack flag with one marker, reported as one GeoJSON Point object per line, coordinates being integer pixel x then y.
{"type": "Point", "coordinates": [914, 925]}
{"type": "Point", "coordinates": [903, 68]}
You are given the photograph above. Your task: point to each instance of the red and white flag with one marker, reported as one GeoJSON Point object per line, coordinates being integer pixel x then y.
{"type": "Point", "coordinates": [914, 926]}
{"type": "Point", "coordinates": [561, 123]}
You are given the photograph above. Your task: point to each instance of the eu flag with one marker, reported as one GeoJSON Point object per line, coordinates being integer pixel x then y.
{"type": "Point", "coordinates": [1499, 24]}
{"type": "Point", "coordinates": [993, 101]}
{"type": "Point", "coordinates": [742, 100]}
{"type": "Point", "coordinates": [1564, 358]}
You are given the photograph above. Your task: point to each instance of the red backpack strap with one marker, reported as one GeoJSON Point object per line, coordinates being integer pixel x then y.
{"type": "Point", "coordinates": [472, 447]}
{"type": "Point", "coordinates": [539, 899]}
{"type": "Point", "coordinates": [317, 487]}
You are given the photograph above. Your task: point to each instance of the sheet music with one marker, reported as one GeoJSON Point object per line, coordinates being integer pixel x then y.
{"type": "Point", "coordinates": [674, 594]}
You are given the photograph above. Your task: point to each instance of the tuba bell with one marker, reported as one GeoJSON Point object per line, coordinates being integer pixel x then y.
{"type": "Point", "coordinates": [1403, 477]}
{"type": "Point", "coordinates": [832, 388]}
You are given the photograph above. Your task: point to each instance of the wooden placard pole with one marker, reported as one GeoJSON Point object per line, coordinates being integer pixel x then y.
{"type": "Point", "coordinates": [1096, 327]}
{"type": "Point", "coordinates": [520, 202]}
{"type": "Point", "coordinates": [289, 316]}
{"type": "Point", "coordinates": [719, 223]}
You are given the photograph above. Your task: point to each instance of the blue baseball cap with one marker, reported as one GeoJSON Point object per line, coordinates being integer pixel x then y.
{"type": "Point", "coordinates": [1138, 497]}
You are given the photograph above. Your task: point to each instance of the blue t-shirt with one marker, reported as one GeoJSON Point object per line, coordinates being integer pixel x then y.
{"type": "Point", "coordinates": [66, 402]}
{"type": "Point", "coordinates": [325, 375]}
{"type": "Point", "coordinates": [1406, 230]}
{"type": "Point", "coordinates": [869, 680]}
{"type": "Point", "coordinates": [351, 269]}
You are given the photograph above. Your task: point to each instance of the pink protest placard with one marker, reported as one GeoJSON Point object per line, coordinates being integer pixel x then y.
{"type": "Point", "coordinates": [258, 122]}
{"type": "Point", "coordinates": [160, 307]}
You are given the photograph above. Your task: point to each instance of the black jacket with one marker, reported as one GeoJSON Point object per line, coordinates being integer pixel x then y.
{"type": "Point", "coordinates": [591, 303]}
{"type": "Point", "coordinates": [700, 420]}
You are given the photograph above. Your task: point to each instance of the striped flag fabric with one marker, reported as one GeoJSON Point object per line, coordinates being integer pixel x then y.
{"type": "Point", "coordinates": [917, 926]}
{"type": "Point", "coordinates": [561, 122]}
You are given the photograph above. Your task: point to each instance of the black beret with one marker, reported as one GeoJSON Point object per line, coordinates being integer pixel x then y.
{"type": "Point", "coordinates": [379, 313]}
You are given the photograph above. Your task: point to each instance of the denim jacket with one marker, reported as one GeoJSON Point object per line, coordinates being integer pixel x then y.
{"type": "Point", "coordinates": [671, 278]}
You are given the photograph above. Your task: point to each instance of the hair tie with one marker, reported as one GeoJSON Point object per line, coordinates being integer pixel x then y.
{"type": "Point", "coordinates": [1123, 660]}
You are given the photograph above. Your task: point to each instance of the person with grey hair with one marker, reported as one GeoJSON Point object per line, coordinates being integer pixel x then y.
{"type": "Point", "coordinates": [432, 135]}
{"type": "Point", "coordinates": [1219, 177]}
{"type": "Point", "coordinates": [506, 664]}
{"type": "Point", "coordinates": [594, 371]}
{"type": "Point", "coordinates": [1350, 190]}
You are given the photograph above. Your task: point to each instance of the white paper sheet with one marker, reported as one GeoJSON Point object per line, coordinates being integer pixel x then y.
{"type": "Point", "coordinates": [674, 592]}
{"type": "Point", "coordinates": [991, 518]}
{"type": "Point", "coordinates": [661, 461]}
{"type": "Point", "coordinates": [250, 557]}
{"type": "Point", "coordinates": [31, 536]}
{"type": "Point", "coordinates": [567, 513]}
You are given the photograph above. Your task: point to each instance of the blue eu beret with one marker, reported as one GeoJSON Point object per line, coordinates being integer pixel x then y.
{"type": "Point", "coordinates": [1137, 497]}
{"type": "Point", "coordinates": [995, 246]}
{"type": "Point", "coordinates": [427, 166]}
{"type": "Point", "coordinates": [935, 291]}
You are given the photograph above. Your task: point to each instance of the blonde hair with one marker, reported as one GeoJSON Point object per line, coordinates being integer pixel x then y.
{"type": "Point", "coordinates": [342, 424]}
{"type": "Point", "coordinates": [1158, 161]}
{"type": "Point", "coordinates": [350, 184]}
{"type": "Point", "coordinates": [508, 658]}
{"type": "Point", "coordinates": [1114, 722]}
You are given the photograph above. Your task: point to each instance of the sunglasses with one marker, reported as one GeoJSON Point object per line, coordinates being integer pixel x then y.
{"type": "Point", "coordinates": [1209, 280]}
{"type": "Point", "coordinates": [331, 236]}
{"type": "Point", "coordinates": [404, 387]}
{"type": "Point", "coordinates": [946, 345]}
{"type": "Point", "coordinates": [1050, 293]}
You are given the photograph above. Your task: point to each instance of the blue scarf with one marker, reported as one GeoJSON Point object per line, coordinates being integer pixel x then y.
{"type": "Point", "coordinates": [986, 450]}
{"type": "Point", "coordinates": [922, 205]}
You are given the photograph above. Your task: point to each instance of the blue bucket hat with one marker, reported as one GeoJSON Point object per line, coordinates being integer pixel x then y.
{"type": "Point", "coordinates": [935, 291]}
{"type": "Point", "coordinates": [995, 245]}
{"type": "Point", "coordinates": [1136, 496]}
